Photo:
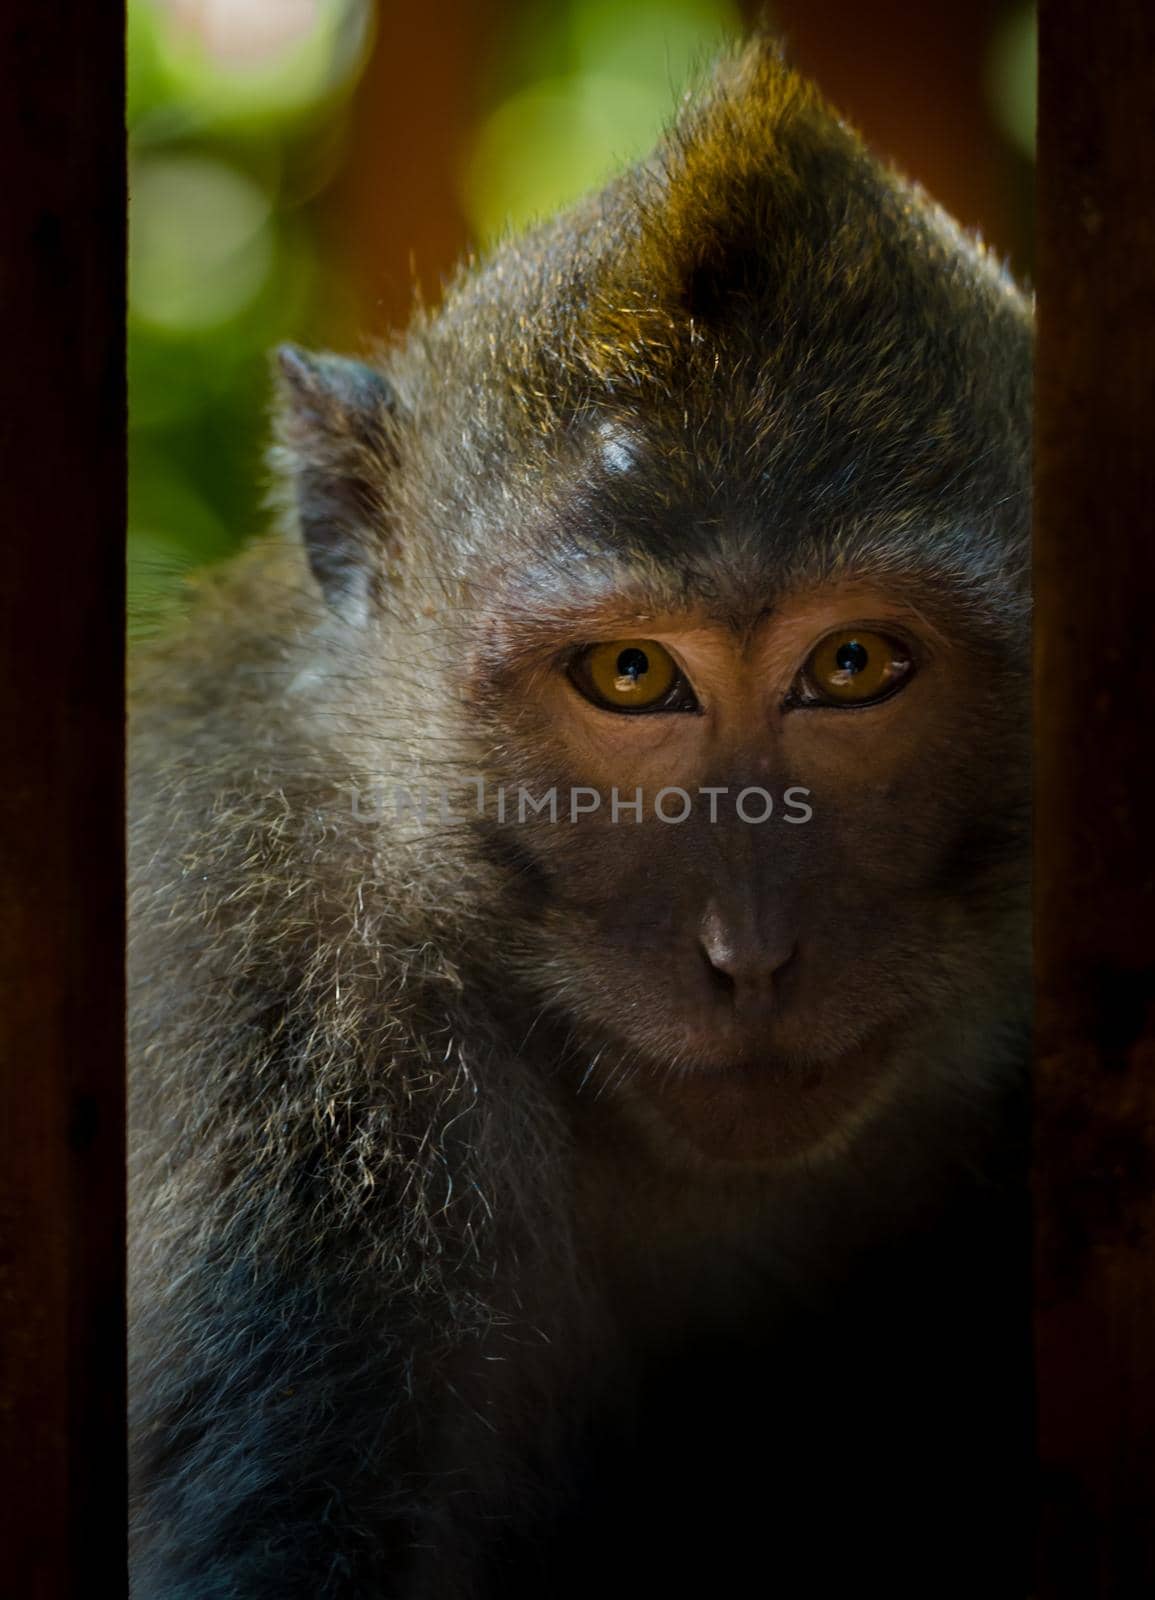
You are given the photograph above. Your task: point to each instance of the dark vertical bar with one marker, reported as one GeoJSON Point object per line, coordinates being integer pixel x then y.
{"type": "Point", "coordinates": [61, 830]}
{"type": "Point", "coordinates": [1095, 850]}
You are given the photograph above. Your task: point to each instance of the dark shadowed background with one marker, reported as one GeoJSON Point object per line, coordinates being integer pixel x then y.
{"type": "Point", "coordinates": [303, 168]}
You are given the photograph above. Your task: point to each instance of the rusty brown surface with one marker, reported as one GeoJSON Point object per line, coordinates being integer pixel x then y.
{"type": "Point", "coordinates": [396, 215]}
{"type": "Point", "coordinates": [1095, 858]}
{"type": "Point", "coordinates": [61, 828]}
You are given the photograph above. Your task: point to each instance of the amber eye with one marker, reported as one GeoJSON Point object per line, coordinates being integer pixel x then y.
{"type": "Point", "coordinates": [632, 675]}
{"type": "Point", "coordinates": [854, 666]}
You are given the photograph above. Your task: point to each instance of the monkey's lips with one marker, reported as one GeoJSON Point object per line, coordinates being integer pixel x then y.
{"type": "Point", "coordinates": [764, 1089]}
{"type": "Point", "coordinates": [765, 1110]}
{"type": "Point", "coordinates": [775, 1034]}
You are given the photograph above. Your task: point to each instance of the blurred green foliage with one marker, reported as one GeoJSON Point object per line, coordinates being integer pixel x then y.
{"type": "Point", "coordinates": [583, 89]}
{"type": "Point", "coordinates": [235, 124]}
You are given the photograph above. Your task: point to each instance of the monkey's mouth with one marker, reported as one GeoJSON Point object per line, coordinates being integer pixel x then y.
{"type": "Point", "coordinates": [762, 1111]}
{"type": "Point", "coordinates": [773, 1038]}
{"type": "Point", "coordinates": [769, 1089]}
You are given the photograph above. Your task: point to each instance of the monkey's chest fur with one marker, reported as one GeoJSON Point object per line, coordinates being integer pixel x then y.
{"type": "Point", "coordinates": [756, 1428]}
{"type": "Point", "coordinates": [800, 1440]}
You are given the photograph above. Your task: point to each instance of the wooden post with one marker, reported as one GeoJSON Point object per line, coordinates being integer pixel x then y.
{"type": "Point", "coordinates": [1095, 839]}
{"type": "Point", "coordinates": [61, 811]}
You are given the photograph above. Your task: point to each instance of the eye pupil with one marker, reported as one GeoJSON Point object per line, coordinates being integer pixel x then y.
{"type": "Point", "coordinates": [631, 675]}
{"type": "Point", "coordinates": [856, 668]}
{"type": "Point", "coordinates": [633, 664]}
{"type": "Point", "coordinates": [851, 657]}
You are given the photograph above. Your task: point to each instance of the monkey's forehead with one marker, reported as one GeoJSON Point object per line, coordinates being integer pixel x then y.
{"type": "Point", "coordinates": [776, 473]}
{"type": "Point", "coordinates": [612, 526]}
{"type": "Point", "coordinates": [748, 478]}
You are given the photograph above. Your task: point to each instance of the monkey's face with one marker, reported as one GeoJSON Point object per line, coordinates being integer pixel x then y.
{"type": "Point", "coordinates": [716, 521]}
{"type": "Point", "coordinates": [716, 499]}
{"type": "Point", "coordinates": [763, 841]}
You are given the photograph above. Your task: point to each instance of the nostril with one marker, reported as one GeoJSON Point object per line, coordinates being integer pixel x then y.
{"type": "Point", "coordinates": [720, 980]}
{"type": "Point", "coordinates": [719, 947]}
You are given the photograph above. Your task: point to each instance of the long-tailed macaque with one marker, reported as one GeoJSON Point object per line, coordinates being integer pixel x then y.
{"type": "Point", "coordinates": [580, 958]}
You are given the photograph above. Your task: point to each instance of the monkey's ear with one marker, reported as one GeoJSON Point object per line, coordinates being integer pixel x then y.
{"type": "Point", "coordinates": [336, 436]}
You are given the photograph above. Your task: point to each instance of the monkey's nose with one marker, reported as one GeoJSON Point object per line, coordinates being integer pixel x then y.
{"type": "Point", "coordinates": [741, 958]}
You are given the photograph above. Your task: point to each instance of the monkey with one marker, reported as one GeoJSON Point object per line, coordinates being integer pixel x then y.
{"type": "Point", "coordinates": [579, 969]}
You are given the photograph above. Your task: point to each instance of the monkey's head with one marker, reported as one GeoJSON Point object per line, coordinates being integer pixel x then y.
{"type": "Point", "coordinates": [704, 511]}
